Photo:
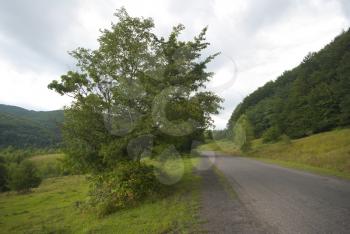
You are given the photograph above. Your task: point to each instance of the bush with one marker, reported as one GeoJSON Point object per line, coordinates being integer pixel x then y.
{"type": "Point", "coordinates": [126, 185]}
{"type": "Point", "coordinates": [23, 177]}
{"type": "Point", "coordinates": [286, 139]}
{"type": "Point", "coordinates": [3, 176]}
{"type": "Point", "coordinates": [271, 135]}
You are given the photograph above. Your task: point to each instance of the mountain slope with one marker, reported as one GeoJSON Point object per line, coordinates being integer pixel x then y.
{"type": "Point", "coordinates": [311, 98]}
{"type": "Point", "coordinates": [22, 128]}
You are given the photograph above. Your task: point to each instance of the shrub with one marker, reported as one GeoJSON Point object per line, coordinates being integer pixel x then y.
{"type": "Point", "coordinates": [286, 139]}
{"type": "Point", "coordinates": [23, 177]}
{"type": "Point", "coordinates": [126, 185]}
{"type": "Point", "coordinates": [3, 175]}
{"type": "Point", "coordinates": [271, 135]}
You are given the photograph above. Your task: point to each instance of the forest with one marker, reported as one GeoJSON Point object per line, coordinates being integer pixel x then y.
{"type": "Point", "coordinates": [21, 128]}
{"type": "Point", "coordinates": [313, 97]}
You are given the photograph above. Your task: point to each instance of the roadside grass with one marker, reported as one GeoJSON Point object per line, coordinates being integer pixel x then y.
{"type": "Point", "coordinates": [308, 168]}
{"type": "Point", "coordinates": [325, 153]}
{"type": "Point", "coordinates": [52, 208]}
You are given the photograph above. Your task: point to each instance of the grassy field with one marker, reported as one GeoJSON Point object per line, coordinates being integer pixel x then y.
{"type": "Point", "coordinates": [325, 153]}
{"type": "Point", "coordinates": [51, 208]}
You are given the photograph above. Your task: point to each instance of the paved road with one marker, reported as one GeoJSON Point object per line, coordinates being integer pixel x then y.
{"type": "Point", "coordinates": [288, 201]}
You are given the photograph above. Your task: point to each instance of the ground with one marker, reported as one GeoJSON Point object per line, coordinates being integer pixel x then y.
{"type": "Point", "coordinates": [51, 208]}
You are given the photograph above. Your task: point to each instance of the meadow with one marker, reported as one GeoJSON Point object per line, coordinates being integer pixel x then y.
{"type": "Point", "coordinates": [53, 207]}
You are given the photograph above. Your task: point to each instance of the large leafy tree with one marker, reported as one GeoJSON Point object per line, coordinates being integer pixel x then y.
{"type": "Point", "coordinates": [135, 92]}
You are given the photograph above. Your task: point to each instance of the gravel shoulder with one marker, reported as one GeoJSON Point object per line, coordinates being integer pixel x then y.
{"type": "Point", "coordinates": [220, 212]}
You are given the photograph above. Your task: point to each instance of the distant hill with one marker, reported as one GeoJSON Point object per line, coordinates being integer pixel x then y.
{"type": "Point", "coordinates": [313, 97]}
{"type": "Point", "coordinates": [23, 128]}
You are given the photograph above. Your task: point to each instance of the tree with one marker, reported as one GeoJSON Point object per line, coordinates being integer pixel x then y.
{"type": "Point", "coordinates": [23, 177]}
{"type": "Point", "coordinates": [271, 135]}
{"type": "Point", "coordinates": [135, 85]}
{"type": "Point", "coordinates": [3, 175]}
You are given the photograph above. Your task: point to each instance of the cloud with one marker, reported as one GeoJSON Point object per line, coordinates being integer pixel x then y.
{"type": "Point", "coordinates": [36, 32]}
{"type": "Point", "coordinates": [258, 40]}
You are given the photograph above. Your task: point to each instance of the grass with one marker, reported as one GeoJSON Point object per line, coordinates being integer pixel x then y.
{"type": "Point", "coordinates": [325, 153]}
{"type": "Point", "coordinates": [308, 168]}
{"type": "Point", "coordinates": [51, 208]}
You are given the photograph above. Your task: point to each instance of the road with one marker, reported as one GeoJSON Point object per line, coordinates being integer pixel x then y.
{"type": "Point", "coordinates": [286, 200]}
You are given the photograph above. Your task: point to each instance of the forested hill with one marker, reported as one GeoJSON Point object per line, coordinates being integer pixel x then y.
{"type": "Point", "coordinates": [311, 98]}
{"type": "Point", "coordinates": [22, 128]}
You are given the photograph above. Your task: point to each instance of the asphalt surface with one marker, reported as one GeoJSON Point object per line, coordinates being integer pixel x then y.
{"type": "Point", "coordinates": [287, 200]}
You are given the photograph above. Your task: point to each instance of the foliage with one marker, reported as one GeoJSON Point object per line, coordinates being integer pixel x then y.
{"type": "Point", "coordinates": [16, 155]}
{"type": "Point", "coordinates": [135, 85]}
{"type": "Point", "coordinates": [311, 98]}
{"type": "Point", "coordinates": [126, 185]}
{"type": "Point", "coordinates": [51, 165]}
{"type": "Point", "coordinates": [23, 177]}
{"type": "Point", "coordinates": [3, 175]}
{"type": "Point", "coordinates": [271, 135]}
{"type": "Point", "coordinates": [22, 128]}
{"type": "Point", "coordinates": [285, 139]}
{"type": "Point", "coordinates": [221, 134]}
{"type": "Point", "coordinates": [224, 146]}
{"type": "Point", "coordinates": [52, 208]}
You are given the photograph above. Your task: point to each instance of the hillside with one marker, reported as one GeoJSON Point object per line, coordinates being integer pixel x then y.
{"type": "Point", "coordinates": [22, 128]}
{"type": "Point", "coordinates": [311, 98]}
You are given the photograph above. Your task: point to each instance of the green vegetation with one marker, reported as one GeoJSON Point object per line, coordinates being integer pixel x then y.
{"type": "Point", "coordinates": [52, 208]}
{"type": "Point", "coordinates": [326, 153]}
{"type": "Point", "coordinates": [20, 170]}
{"type": "Point", "coordinates": [329, 150]}
{"type": "Point", "coordinates": [50, 165]}
{"type": "Point", "coordinates": [23, 177]}
{"type": "Point", "coordinates": [22, 128]}
{"type": "Point", "coordinates": [125, 186]}
{"type": "Point", "coordinates": [136, 94]}
{"type": "Point", "coordinates": [3, 175]}
{"type": "Point", "coordinates": [311, 98]}
{"type": "Point", "coordinates": [223, 146]}
{"type": "Point", "coordinates": [15, 155]}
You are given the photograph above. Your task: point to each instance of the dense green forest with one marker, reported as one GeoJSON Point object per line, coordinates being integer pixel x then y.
{"type": "Point", "coordinates": [23, 128]}
{"type": "Point", "coordinates": [311, 98]}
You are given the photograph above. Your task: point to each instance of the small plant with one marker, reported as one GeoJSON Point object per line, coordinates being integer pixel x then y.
{"type": "Point", "coordinates": [23, 177]}
{"type": "Point", "coordinates": [271, 135]}
{"type": "Point", "coordinates": [126, 185]}
{"type": "Point", "coordinates": [286, 139]}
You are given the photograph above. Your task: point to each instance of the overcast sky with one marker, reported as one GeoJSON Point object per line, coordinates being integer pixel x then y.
{"type": "Point", "coordinates": [258, 39]}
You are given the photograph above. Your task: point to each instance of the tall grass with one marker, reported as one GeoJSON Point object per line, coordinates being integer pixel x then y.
{"type": "Point", "coordinates": [330, 150]}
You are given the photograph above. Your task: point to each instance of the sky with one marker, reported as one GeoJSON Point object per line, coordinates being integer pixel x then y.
{"type": "Point", "coordinates": [258, 40]}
